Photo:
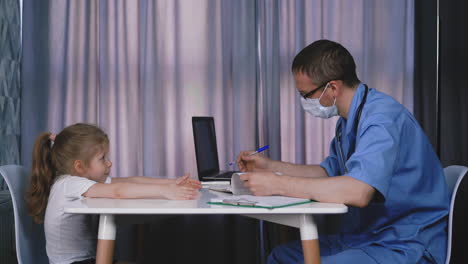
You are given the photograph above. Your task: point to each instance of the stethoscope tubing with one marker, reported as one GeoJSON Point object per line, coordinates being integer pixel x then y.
{"type": "Point", "coordinates": [352, 145]}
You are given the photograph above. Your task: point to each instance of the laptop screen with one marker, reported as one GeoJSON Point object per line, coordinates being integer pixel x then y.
{"type": "Point", "coordinates": [205, 145]}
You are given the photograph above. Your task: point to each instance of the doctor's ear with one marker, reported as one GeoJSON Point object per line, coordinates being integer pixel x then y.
{"type": "Point", "coordinates": [332, 86]}
{"type": "Point", "coordinates": [336, 87]}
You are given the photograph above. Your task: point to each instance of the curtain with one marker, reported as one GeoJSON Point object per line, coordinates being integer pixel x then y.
{"type": "Point", "coordinates": [426, 105]}
{"type": "Point", "coordinates": [452, 108]}
{"type": "Point", "coordinates": [142, 69]}
{"type": "Point", "coordinates": [379, 35]}
{"type": "Point", "coordinates": [10, 56]}
{"type": "Point", "coordinates": [10, 104]}
{"type": "Point", "coordinates": [439, 79]}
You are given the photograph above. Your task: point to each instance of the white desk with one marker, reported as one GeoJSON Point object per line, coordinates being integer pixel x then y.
{"type": "Point", "coordinates": [299, 216]}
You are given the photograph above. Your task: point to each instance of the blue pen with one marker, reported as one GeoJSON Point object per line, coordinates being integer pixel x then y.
{"type": "Point", "coordinates": [253, 153]}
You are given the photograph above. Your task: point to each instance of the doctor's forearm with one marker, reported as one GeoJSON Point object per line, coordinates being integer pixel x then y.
{"type": "Point", "coordinates": [339, 189]}
{"type": "Point", "coordinates": [312, 171]}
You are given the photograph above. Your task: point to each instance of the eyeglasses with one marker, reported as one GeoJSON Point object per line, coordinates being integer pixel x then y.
{"type": "Point", "coordinates": [306, 95]}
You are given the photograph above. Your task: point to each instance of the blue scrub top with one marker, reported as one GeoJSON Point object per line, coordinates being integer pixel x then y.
{"type": "Point", "coordinates": [408, 213]}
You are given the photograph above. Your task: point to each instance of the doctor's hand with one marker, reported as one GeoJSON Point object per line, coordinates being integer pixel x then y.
{"type": "Point", "coordinates": [254, 163]}
{"type": "Point", "coordinates": [262, 183]}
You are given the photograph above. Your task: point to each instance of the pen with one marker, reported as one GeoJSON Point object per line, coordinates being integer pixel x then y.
{"type": "Point", "coordinates": [253, 153]}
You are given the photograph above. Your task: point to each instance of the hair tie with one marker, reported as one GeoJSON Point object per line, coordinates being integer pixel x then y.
{"type": "Point", "coordinates": [52, 139]}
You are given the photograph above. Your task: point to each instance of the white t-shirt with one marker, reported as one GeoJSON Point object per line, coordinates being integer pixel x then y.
{"type": "Point", "coordinates": [69, 237]}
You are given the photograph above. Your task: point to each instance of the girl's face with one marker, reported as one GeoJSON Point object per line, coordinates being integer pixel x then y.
{"type": "Point", "coordinates": [99, 167]}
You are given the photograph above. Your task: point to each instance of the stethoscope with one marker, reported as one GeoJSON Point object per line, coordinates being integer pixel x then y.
{"type": "Point", "coordinates": [352, 143]}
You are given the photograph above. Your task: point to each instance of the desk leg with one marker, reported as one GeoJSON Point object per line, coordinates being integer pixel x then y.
{"type": "Point", "coordinates": [309, 237]}
{"type": "Point", "coordinates": [106, 239]}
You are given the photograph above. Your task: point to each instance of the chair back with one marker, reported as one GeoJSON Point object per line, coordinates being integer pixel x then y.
{"type": "Point", "coordinates": [458, 215]}
{"type": "Point", "coordinates": [30, 237]}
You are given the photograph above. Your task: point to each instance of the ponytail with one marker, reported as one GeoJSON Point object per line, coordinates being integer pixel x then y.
{"type": "Point", "coordinates": [42, 177]}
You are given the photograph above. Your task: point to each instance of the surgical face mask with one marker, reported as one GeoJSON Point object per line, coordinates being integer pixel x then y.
{"type": "Point", "coordinates": [313, 107]}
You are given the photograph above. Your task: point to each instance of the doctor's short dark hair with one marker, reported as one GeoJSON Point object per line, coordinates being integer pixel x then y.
{"type": "Point", "coordinates": [325, 60]}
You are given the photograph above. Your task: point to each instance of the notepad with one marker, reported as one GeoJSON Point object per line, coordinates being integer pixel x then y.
{"type": "Point", "coordinates": [269, 202]}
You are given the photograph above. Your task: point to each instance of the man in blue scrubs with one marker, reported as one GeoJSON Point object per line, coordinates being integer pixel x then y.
{"type": "Point", "coordinates": [381, 165]}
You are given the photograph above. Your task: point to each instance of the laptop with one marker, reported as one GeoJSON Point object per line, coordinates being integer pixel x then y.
{"type": "Point", "coordinates": [206, 150]}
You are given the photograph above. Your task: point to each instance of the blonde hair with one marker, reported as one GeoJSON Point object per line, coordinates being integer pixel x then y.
{"type": "Point", "coordinates": [52, 158]}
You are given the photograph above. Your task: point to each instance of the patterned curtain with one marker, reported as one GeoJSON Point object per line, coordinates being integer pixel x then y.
{"type": "Point", "coordinates": [10, 52]}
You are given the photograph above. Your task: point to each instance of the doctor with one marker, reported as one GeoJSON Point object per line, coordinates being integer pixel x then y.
{"type": "Point", "coordinates": [381, 165]}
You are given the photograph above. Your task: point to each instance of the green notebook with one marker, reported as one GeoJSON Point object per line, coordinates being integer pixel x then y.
{"type": "Point", "coordinates": [269, 202]}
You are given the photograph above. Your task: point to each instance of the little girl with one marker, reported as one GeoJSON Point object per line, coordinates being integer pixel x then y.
{"type": "Point", "coordinates": [74, 164]}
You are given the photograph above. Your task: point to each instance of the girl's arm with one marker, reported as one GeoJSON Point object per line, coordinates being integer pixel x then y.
{"type": "Point", "coordinates": [142, 180]}
{"type": "Point", "coordinates": [184, 180]}
{"type": "Point", "coordinates": [126, 190]}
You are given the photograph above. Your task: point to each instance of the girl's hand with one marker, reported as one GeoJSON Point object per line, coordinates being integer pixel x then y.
{"type": "Point", "coordinates": [186, 181]}
{"type": "Point", "coordinates": [179, 192]}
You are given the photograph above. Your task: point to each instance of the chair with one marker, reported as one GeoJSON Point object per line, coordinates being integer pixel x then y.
{"type": "Point", "coordinates": [7, 228]}
{"type": "Point", "coordinates": [458, 215]}
{"type": "Point", "coordinates": [30, 237]}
